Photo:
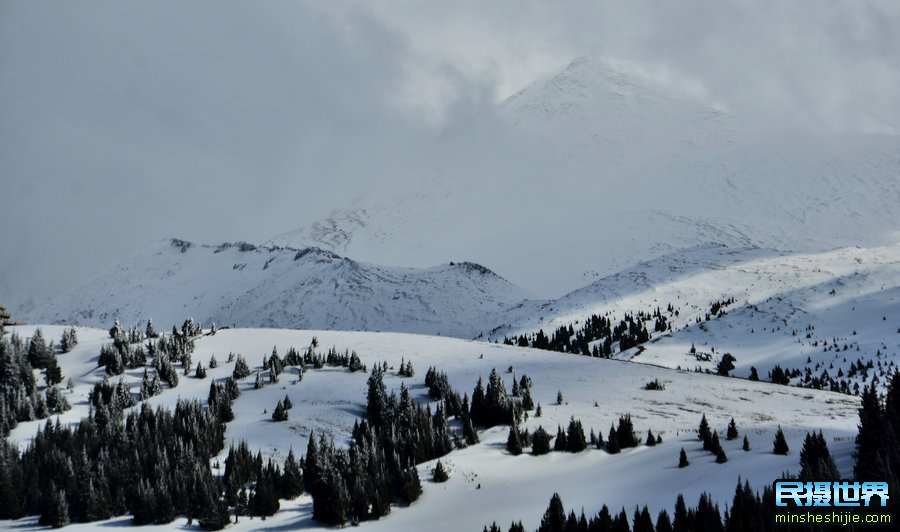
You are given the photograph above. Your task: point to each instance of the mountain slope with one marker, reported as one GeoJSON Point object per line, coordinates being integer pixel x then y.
{"type": "Point", "coordinates": [281, 287]}
{"type": "Point", "coordinates": [488, 484]}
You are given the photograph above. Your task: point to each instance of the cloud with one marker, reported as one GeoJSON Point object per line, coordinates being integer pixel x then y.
{"type": "Point", "coordinates": [125, 122]}
{"type": "Point", "coordinates": [832, 64]}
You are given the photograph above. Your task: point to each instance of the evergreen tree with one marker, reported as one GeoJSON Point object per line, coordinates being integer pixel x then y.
{"type": "Point", "coordinates": [663, 523]}
{"type": "Point", "coordinates": [439, 474]}
{"type": "Point", "coordinates": [780, 446]}
{"type": "Point", "coordinates": [56, 508]}
{"type": "Point", "coordinates": [872, 439]}
{"type": "Point", "coordinates": [642, 520]}
{"type": "Point", "coordinates": [625, 432]}
{"type": "Point", "coordinates": [704, 433]}
{"type": "Point", "coordinates": [292, 478]}
{"type": "Point", "coordinates": [815, 459]}
{"type": "Point", "coordinates": [52, 373]}
{"type": "Point", "coordinates": [721, 457]}
{"type": "Point", "coordinates": [513, 443]}
{"type": "Point", "coordinates": [620, 522]}
{"type": "Point", "coordinates": [732, 433]}
{"type": "Point", "coordinates": [612, 443]}
{"type": "Point", "coordinates": [682, 521]}
{"type": "Point", "coordinates": [377, 411]}
{"type": "Point", "coordinates": [280, 413]}
{"type": "Point", "coordinates": [517, 527]}
{"type": "Point", "coordinates": [560, 444]}
{"type": "Point", "coordinates": [241, 369]}
{"type": "Point", "coordinates": [683, 459]}
{"type": "Point", "coordinates": [38, 353]}
{"type": "Point", "coordinates": [540, 442]}
{"type": "Point", "coordinates": [265, 499]}
{"type": "Point", "coordinates": [746, 446]}
{"type": "Point", "coordinates": [575, 440]}
{"type": "Point", "coordinates": [554, 519]}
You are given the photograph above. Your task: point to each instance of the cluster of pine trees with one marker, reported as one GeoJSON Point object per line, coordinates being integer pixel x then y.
{"type": "Point", "coordinates": [21, 397]}
{"type": "Point", "coordinates": [631, 331]}
{"type": "Point", "coordinates": [878, 442]}
{"type": "Point", "coordinates": [600, 330]}
{"type": "Point", "coordinates": [573, 439]}
{"type": "Point", "coordinates": [876, 459]}
{"type": "Point", "coordinates": [361, 482]}
{"type": "Point", "coordinates": [749, 511]}
{"type": "Point", "coordinates": [253, 487]}
{"type": "Point", "coordinates": [151, 464]}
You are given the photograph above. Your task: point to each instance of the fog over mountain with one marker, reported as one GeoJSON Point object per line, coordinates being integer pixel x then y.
{"type": "Point", "coordinates": [125, 124]}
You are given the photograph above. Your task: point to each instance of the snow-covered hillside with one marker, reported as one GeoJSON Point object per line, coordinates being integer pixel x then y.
{"type": "Point", "coordinates": [279, 287]}
{"type": "Point", "coordinates": [487, 484]}
{"type": "Point", "coordinates": [824, 311]}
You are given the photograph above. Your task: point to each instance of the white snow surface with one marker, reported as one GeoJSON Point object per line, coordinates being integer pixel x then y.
{"type": "Point", "coordinates": [487, 484]}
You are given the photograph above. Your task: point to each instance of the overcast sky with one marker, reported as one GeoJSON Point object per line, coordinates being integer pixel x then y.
{"type": "Point", "coordinates": [126, 122]}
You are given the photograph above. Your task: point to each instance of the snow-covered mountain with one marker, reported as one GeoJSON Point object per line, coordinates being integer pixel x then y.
{"type": "Point", "coordinates": [241, 284]}
{"type": "Point", "coordinates": [609, 169]}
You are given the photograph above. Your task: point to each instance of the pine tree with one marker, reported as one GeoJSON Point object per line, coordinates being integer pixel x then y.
{"type": "Point", "coordinates": [56, 508]}
{"type": "Point", "coordinates": [38, 352]}
{"type": "Point", "coordinates": [780, 446]}
{"type": "Point", "coordinates": [439, 474]}
{"type": "Point", "coordinates": [517, 527]}
{"type": "Point", "coordinates": [815, 459]}
{"type": "Point", "coordinates": [292, 478]}
{"type": "Point", "coordinates": [704, 433]}
{"type": "Point", "coordinates": [560, 443]}
{"type": "Point", "coordinates": [53, 373]}
{"type": "Point", "coordinates": [280, 413]}
{"type": "Point", "coordinates": [683, 459]}
{"type": "Point", "coordinates": [265, 499]}
{"type": "Point", "coordinates": [554, 519]}
{"type": "Point", "coordinates": [746, 446]}
{"type": "Point", "coordinates": [612, 443]}
{"type": "Point", "coordinates": [663, 523]}
{"type": "Point", "coordinates": [540, 442]}
{"type": "Point", "coordinates": [872, 439]}
{"type": "Point", "coordinates": [681, 521]}
{"type": "Point", "coordinates": [625, 432]}
{"type": "Point", "coordinates": [721, 458]}
{"type": "Point", "coordinates": [575, 440]}
{"type": "Point", "coordinates": [241, 370]}
{"type": "Point", "coordinates": [732, 433]}
{"type": "Point", "coordinates": [513, 443]}
{"type": "Point", "coordinates": [642, 520]}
